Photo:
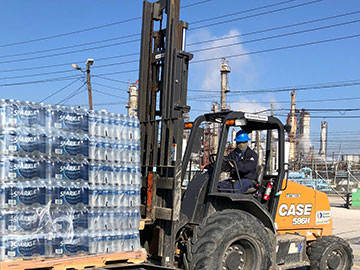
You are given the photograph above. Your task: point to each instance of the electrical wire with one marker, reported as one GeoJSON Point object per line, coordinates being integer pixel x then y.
{"type": "Point", "coordinates": [69, 33]}
{"type": "Point", "coordinates": [121, 43]}
{"type": "Point", "coordinates": [112, 80]}
{"type": "Point", "coordinates": [298, 101]}
{"type": "Point", "coordinates": [274, 28]}
{"type": "Point", "coordinates": [110, 87]}
{"type": "Point", "coordinates": [66, 99]}
{"type": "Point", "coordinates": [107, 94]}
{"type": "Point", "coordinates": [88, 29]}
{"type": "Point", "coordinates": [203, 49]}
{"type": "Point", "coordinates": [278, 48]}
{"type": "Point", "coordinates": [290, 88]}
{"type": "Point", "coordinates": [58, 91]}
{"type": "Point", "coordinates": [276, 36]}
{"type": "Point", "coordinates": [254, 15]}
{"type": "Point", "coordinates": [39, 81]}
{"type": "Point", "coordinates": [206, 41]}
{"type": "Point", "coordinates": [196, 4]}
{"type": "Point", "coordinates": [65, 53]}
{"type": "Point", "coordinates": [239, 12]}
{"type": "Point", "coordinates": [75, 46]}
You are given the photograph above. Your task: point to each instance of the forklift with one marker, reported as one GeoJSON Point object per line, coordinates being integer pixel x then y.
{"type": "Point", "coordinates": [188, 222]}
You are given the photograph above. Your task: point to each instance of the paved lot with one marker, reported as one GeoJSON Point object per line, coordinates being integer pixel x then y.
{"type": "Point", "coordinates": [346, 224]}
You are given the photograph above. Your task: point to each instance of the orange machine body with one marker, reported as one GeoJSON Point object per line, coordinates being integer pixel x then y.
{"type": "Point", "coordinates": [305, 211]}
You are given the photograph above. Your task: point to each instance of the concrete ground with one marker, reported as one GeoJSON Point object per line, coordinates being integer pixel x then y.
{"type": "Point", "coordinates": [346, 224]}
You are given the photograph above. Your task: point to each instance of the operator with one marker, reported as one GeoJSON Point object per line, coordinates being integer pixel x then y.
{"type": "Point", "coordinates": [245, 160]}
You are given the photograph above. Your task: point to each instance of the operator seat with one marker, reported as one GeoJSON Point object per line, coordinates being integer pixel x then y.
{"type": "Point", "coordinates": [260, 172]}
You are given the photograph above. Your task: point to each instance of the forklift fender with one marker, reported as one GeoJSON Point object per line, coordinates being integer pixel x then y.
{"type": "Point", "coordinates": [245, 202]}
{"type": "Point", "coordinates": [193, 201]}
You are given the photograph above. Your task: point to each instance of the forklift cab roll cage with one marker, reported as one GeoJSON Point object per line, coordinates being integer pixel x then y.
{"type": "Point", "coordinates": [266, 211]}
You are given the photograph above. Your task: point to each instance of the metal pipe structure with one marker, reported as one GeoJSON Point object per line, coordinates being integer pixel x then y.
{"type": "Point", "coordinates": [133, 99]}
{"type": "Point", "coordinates": [323, 139]}
{"type": "Point", "coordinates": [224, 70]}
{"type": "Point", "coordinates": [292, 121]}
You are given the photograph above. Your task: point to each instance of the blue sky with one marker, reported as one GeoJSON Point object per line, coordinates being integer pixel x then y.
{"type": "Point", "coordinates": [322, 63]}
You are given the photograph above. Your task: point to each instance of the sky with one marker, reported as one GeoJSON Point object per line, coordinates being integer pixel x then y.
{"type": "Point", "coordinates": [314, 43]}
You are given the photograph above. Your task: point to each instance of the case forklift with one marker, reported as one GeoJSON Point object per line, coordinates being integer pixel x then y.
{"type": "Point", "coordinates": [197, 226]}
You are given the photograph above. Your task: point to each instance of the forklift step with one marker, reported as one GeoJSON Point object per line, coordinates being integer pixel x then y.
{"type": "Point", "coordinates": [291, 251]}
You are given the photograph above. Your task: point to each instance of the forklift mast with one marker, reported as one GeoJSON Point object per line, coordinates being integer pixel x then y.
{"type": "Point", "coordinates": [161, 106]}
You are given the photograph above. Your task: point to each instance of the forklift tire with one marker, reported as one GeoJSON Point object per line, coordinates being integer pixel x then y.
{"type": "Point", "coordinates": [230, 240]}
{"type": "Point", "coordinates": [330, 252]}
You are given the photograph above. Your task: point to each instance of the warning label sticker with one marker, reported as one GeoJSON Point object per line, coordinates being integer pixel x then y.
{"type": "Point", "coordinates": [323, 217]}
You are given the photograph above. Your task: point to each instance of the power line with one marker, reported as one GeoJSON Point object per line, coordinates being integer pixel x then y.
{"type": "Point", "coordinates": [121, 43]}
{"type": "Point", "coordinates": [66, 99]}
{"type": "Point", "coordinates": [277, 49]}
{"type": "Point", "coordinates": [255, 15]}
{"type": "Point", "coordinates": [39, 81]}
{"type": "Point", "coordinates": [70, 70]}
{"type": "Point", "coordinates": [58, 91]}
{"type": "Point", "coordinates": [196, 3]}
{"type": "Point", "coordinates": [239, 12]}
{"type": "Point", "coordinates": [74, 46]}
{"type": "Point", "coordinates": [277, 36]}
{"type": "Point", "coordinates": [290, 88]}
{"type": "Point", "coordinates": [107, 94]}
{"type": "Point", "coordinates": [274, 28]}
{"type": "Point", "coordinates": [211, 40]}
{"type": "Point", "coordinates": [110, 87]}
{"type": "Point", "coordinates": [88, 29]}
{"type": "Point", "coordinates": [65, 53]}
{"type": "Point", "coordinates": [69, 33]}
{"type": "Point", "coordinates": [109, 79]}
{"type": "Point", "coordinates": [203, 49]}
{"type": "Point", "coordinates": [103, 104]}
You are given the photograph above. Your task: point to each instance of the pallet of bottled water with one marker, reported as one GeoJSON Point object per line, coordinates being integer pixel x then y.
{"type": "Point", "coordinates": [69, 181]}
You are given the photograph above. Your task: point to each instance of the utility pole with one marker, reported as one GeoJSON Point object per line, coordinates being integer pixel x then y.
{"type": "Point", "coordinates": [89, 63]}
{"type": "Point", "coordinates": [224, 70]}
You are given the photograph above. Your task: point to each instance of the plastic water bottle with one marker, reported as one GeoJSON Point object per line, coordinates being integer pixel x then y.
{"type": "Point", "coordinates": [92, 148]}
{"type": "Point", "coordinates": [99, 126]}
{"type": "Point", "coordinates": [93, 243]}
{"type": "Point", "coordinates": [104, 123]}
{"type": "Point", "coordinates": [115, 149]}
{"type": "Point", "coordinates": [100, 150]}
{"type": "Point", "coordinates": [108, 151]}
{"type": "Point", "coordinates": [93, 172]}
{"type": "Point", "coordinates": [3, 109]}
{"type": "Point", "coordinates": [84, 119]}
{"type": "Point", "coordinates": [112, 125]}
{"type": "Point", "coordinates": [101, 173]}
{"type": "Point", "coordinates": [2, 195]}
{"type": "Point", "coordinates": [118, 125]}
{"type": "Point", "coordinates": [92, 123]}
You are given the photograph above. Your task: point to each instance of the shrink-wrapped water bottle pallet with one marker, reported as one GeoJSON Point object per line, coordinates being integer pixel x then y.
{"type": "Point", "coordinates": [76, 262]}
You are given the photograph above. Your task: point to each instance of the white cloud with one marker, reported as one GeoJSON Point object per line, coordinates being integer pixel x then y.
{"type": "Point", "coordinates": [242, 68]}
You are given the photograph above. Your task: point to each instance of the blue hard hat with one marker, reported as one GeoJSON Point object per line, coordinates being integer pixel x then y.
{"type": "Point", "coordinates": [241, 136]}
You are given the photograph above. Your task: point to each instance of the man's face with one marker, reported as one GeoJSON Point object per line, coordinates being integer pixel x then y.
{"type": "Point", "coordinates": [242, 145]}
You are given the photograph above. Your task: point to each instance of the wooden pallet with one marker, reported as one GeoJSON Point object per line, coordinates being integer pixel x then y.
{"type": "Point", "coordinates": [75, 262]}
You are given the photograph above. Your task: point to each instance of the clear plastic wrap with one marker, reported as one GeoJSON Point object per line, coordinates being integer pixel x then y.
{"type": "Point", "coordinates": [69, 181]}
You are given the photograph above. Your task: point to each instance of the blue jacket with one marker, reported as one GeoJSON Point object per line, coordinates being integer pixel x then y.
{"type": "Point", "coordinates": [246, 162]}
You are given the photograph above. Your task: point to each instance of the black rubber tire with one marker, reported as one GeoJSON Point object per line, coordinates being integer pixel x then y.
{"type": "Point", "coordinates": [330, 252]}
{"type": "Point", "coordinates": [227, 237]}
